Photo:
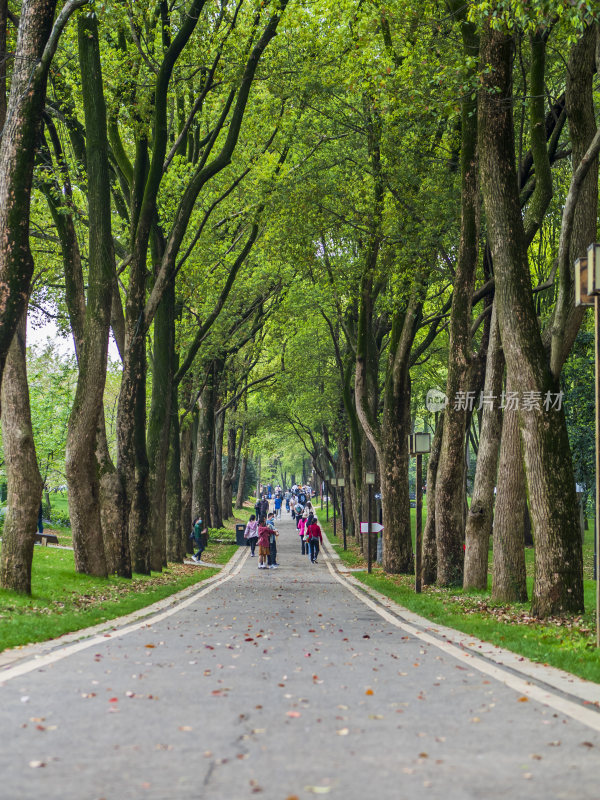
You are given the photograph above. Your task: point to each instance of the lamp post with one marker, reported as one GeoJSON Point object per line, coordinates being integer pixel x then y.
{"type": "Point", "coordinates": [419, 443]}
{"type": "Point", "coordinates": [341, 482]}
{"type": "Point", "coordinates": [327, 501]}
{"type": "Point", "coordinates": [334, 484]}
{"type": "Point", "coordinates": [587, 293]}
{"type": "Point", "coordinates": [370, 481]}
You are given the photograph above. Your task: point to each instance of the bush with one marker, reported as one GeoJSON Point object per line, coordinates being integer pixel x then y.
{"type": "Point", "coordinates": [62, 519]}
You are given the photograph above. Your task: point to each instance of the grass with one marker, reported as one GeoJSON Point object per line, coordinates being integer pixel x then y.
{"type": "Point", "coordinates": [64, 600]}
{"type": "Point", "coordinates": [567, 643]}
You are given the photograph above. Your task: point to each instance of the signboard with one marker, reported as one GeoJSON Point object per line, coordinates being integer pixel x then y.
{"type": "Point", "coordinates": [375, 527]}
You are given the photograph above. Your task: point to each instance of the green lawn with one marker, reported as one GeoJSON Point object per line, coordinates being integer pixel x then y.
{"type": "Point", "coordinates": [567, 643]}
{"type": "Point", "coordinates": [65, 601]}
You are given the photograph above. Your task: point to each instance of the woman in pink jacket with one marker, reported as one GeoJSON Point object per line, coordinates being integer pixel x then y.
{"type": "Point", "coordinates": [301, 526]}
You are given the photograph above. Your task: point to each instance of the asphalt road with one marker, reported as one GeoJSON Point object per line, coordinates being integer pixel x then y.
{"type": "Point", "coordinates": [280, 684]}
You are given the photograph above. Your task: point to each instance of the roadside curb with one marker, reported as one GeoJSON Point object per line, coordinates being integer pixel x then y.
{"type": "Point", "coordinates": [13, 656]}
{"type": "Point", "coordinates": [577, 689]}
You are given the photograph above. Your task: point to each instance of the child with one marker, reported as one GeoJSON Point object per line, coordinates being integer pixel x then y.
{"type": "Point", "coordinates": [263, 543]}
{"type": "Point", "coordinates": [272, 541]}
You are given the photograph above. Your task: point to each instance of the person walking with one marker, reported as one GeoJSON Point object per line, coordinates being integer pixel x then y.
{"type": "Point", "coordinates": [272, 541]}
{"type": "Point", "coordinates": [263, 543]}
{"type": "Point", "coordinates": [301, 525]}
{"type": "Point", "coordinates": [199, 533]}
{"type": "Point", "coordinates": [264, 508]}
{"type": "Point", "coordinates": [278, 502]}
{"type": "Point", "coordinates": [251, 534]}
{"type": "Point", "coordinates": [315, 538]}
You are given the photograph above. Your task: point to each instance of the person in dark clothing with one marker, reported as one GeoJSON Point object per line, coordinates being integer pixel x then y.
{"type": "Point", "coordinates": [199, 534]}
{"type": "Point", "coordinates": [264, 507]}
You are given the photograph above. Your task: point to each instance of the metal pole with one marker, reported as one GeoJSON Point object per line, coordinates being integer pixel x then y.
{"type": "Point", "coordinates": [597, 375]}
{"type": "Point", "coordinates": [418, 516]}
{"type": "Point", "coordinates": [327, 503]}
{"type": "Point", "coordinates": [334, 499]}
{"type": "Point", "coordinates": [343, 518]}
{"type": "Point", "coordinates": [369, 556]}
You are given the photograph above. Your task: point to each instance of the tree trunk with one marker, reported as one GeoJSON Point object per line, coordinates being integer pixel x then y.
{"type": "Point", "coordinates": [187, 460]}
{"type": "Point", "coordinates": [18, 146]}
{"type": "Point", "coordinates": [349, 494]}
{"type": "Point", "coordinates": [22, 473]}
{"type": "Point", "coordinates": [450, 497]}
{"type": "Point", "coordinates": [216, 474]}
{"type": "Point", "coordinates": [112, 509]}
{"type": "Point", "coordinates": [509, 583]}
{"type": "Point", "coordinates": [579, 103]}
{"type": "Point", "coordinates": [429, 570]}
{"type": "Point", "coordinates": [242, 450]}
{"type": "Point", "coordinates": [558, 584]}
{"type": "Point", "coordinates": [204, 454]}
{"type": "Point", "coordinates": [481, 512]}
{"type": "Point", "coordinates": [159, 424]}
{"type": "Point", "coordinates": [176, 534]}
{"type": "Point", "coordinates": [240, 496]}
{"type": "Point", "coordinates": [369, 464]}
{"type": "Point", "coordinates": [3, 61]}
{"type": "Point", "coordinates": [395, 496]}
{"type": "Point", "coordinates": [81, 466]}
{"type": "Point", "coordinates": [228, 477]}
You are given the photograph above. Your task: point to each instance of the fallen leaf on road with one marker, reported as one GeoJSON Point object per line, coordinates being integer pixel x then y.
{"type": "Point", "coordinates": [475, 719]}
{"type": "Point", "coordinates": [318, 789]}
{"type": "Point", "coordinates": [36, 764]}
{"type": "Point", "coordinates": [293, 714]}
{"type": "Point", "coordinates": [343, 732]}
{"type": "Point", "coordinates": [523, 700]}
{"type": "Point", "coordinates": [150, 645]}
{"type": "Point", "coordinates": [185, 728]}
{"type": "Point", "coordinates": [369, 692]}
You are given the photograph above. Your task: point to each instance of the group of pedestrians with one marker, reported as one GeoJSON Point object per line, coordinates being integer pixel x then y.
{"type": "Point", "coordinates": [307, 524]}
{"type": "Point", "coordinates": [261, 531]}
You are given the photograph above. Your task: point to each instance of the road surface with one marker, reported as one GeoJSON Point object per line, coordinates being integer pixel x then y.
{"type": "Point", "coordinates": [284, 684]}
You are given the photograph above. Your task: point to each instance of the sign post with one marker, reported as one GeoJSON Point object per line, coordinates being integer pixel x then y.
{"type": "Point", "coordinates": [370, 481]}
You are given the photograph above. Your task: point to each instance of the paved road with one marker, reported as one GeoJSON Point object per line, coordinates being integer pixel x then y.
{"type": "Point", "coordinates": [281, 684]}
